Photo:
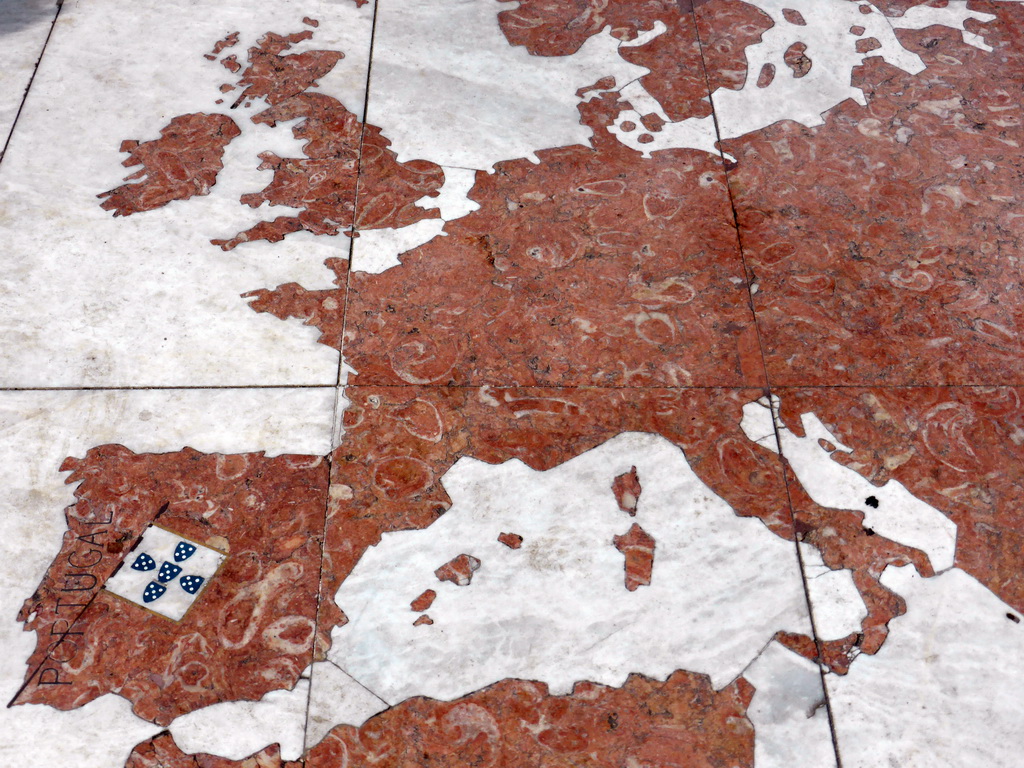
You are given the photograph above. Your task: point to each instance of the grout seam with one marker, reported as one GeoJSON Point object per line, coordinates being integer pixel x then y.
{"type": "Point", "coordinates": [337, 428]}
{"type": "Point", "coordinates": [768, 389]}
{"type": "Point", "coordinates": [35, 69]}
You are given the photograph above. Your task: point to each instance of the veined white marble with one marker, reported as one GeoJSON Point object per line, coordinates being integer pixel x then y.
{"type": "Point", "coordinates": [557, 610]}
{"type": "Point", "coordinates": [337, 697]}
{"type": "Point", "coordinates": [24, 25]}
{"type": "Point", "coordinates": [448, 87]}
{"type": "Point", "coordinates": [237, 729]}
{"type": "Point", "coordinates": [325, 696]}
{"type": "Point", "coordinates": [788, 712]}
{"type": "Point", "coordinates": [946, 689]}
{"type": "Point", "coordinates": [37, 431]}
{"type": "Point", "coordinates": [147, 300]}
{"type": "Point", "coordinates": [377, 250]}
{"type": "Point", "coordinates": [838, 607]}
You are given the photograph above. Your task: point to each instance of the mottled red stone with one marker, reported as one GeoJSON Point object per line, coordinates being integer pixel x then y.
{"type": "Point", "coordinates": [459, 570]}
{"type": "Point", "coordinates": [680, 722]}
{"type": "Point", "coordinates": [424, 601]}
{"type": "Point", "coordinates": [637, 546]}
{"type": "Point", "coordinates": [257, 612]}
{"type": "Point", "coordinates": [231, 64]}
{"type": "Point", "coordinates": [323, 309]}
{"type": "Point", "coordinates": [338, 151]}
{"type": "Point", "coordinates": [726, 29]}
{"type": "Point", "coordinates": [162, 752]}
{"type": "Point", "coordinates": [559, 28]}
{"type": "Point", "coordinates": [794, 16]}
{"type": "Point", "coordinates": [424, 619]}
{"type": "Point", "coordinates": [626, 488]}
{"type": "Point", "coordinates": [386, 473]}
{"type": "Point", "coordinates": [547, 284]}
{"type": "Point", "coordinates": [796, 59]}
{"type": "Point", "coordinates": [957, 449]}
{"type": "Point", "coordinates": [511, 540]}
{"type": "Point", "coordinates": [276, 77]}
{"type": "Point", "coordinates": [182, 163]}
{"type": "Point", "coordinates": [342, 156]}
{"type": "Point", "coordinates": [653, 122]}
{"type": "Point", "coordinates": [886, 242]}
{"type": "Point", "coordinates": [868, 44]}
{"type": "Point", "coordinates": [228, 41]}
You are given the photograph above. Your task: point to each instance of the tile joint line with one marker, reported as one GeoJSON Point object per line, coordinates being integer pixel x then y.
{"type": "Point", "coordinates": [24, 96]}
{"type": "Point", "coordinates": [768, 389]}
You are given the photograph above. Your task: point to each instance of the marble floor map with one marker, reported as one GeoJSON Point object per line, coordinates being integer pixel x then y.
{"type": "Point", "coordinates": [562, 383]}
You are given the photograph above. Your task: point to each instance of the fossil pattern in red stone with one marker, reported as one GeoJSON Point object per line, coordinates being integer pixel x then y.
{"type": "Point", "coordinates": [637, 546]}
{"type": "Point", "coordinates": [953, 448]}
{"type": "Point", "coordinates": [257, 612]}
{"type": "Point", "coordinates": [726, 29]}
{"type": "Point", "coordinates": [381, 485]}
{"type": "Point", "coordinates": [341, 156]}
{"type": "Point", "coordinates": [682, 721]}
{"type": "Point", "coordinates": [885, 242]}
{"type": "Point", "coordinates": [547, 284]}
{"type": "Point", "coordinates": [598, 268]}
{"type": "Point", "coordinates": [182, 163]}
{"type": "Point", "coordinates": [626, 488]}
{"type": "Point", "coordinates": [162, 752]}
{"type": "Point", "coordinates": [338, 150]}
{"type": "Point", "coordinates": [557, 28]}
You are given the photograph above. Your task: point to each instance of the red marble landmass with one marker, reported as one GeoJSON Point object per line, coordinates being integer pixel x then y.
{"type": "Point", "coordinates": [182, 163]}
{"type": "Point", "coordinates": [342, 156]}
{"type": "Point", "coordinates": [594, 267]}
{"type": "Point", "coordinates": [459, 570]}
{"type": "Point", "coordinates": [399, 441]}
{"type": "Point", "coordinates": [424, 601]}
{"type": "Point", "coordinates": [257, 613]}
{"type": "Point", "coordinates": [885, 243]}
{"type": "Point", "coordinates": [959, 449]}
{"type": "Point", "coordinates": [559, 28]}
{"type": "Point", "coordinates": [276, 77]}
{"type": "Point", "coordinates": [626, 488]}
{"type": "Point", "coordinates": [726, 29]}
{"type": "Point", "coordinates": [162, 752]}
{"type": "Point", "coordinates": [637, 547]}
{"type": "Point", "coordinates": [682, 721]}
{"type": "Point", "coordinates": [511, 540]}
{"type": "Point", "coordinates": [228, 41]}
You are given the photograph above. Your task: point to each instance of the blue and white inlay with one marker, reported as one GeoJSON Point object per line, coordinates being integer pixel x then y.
{"type": "Point", "coordinates": [171, 587]}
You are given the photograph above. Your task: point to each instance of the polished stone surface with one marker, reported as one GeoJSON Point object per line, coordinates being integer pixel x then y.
{"type": "Point", "coordinates": [473, 382]}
